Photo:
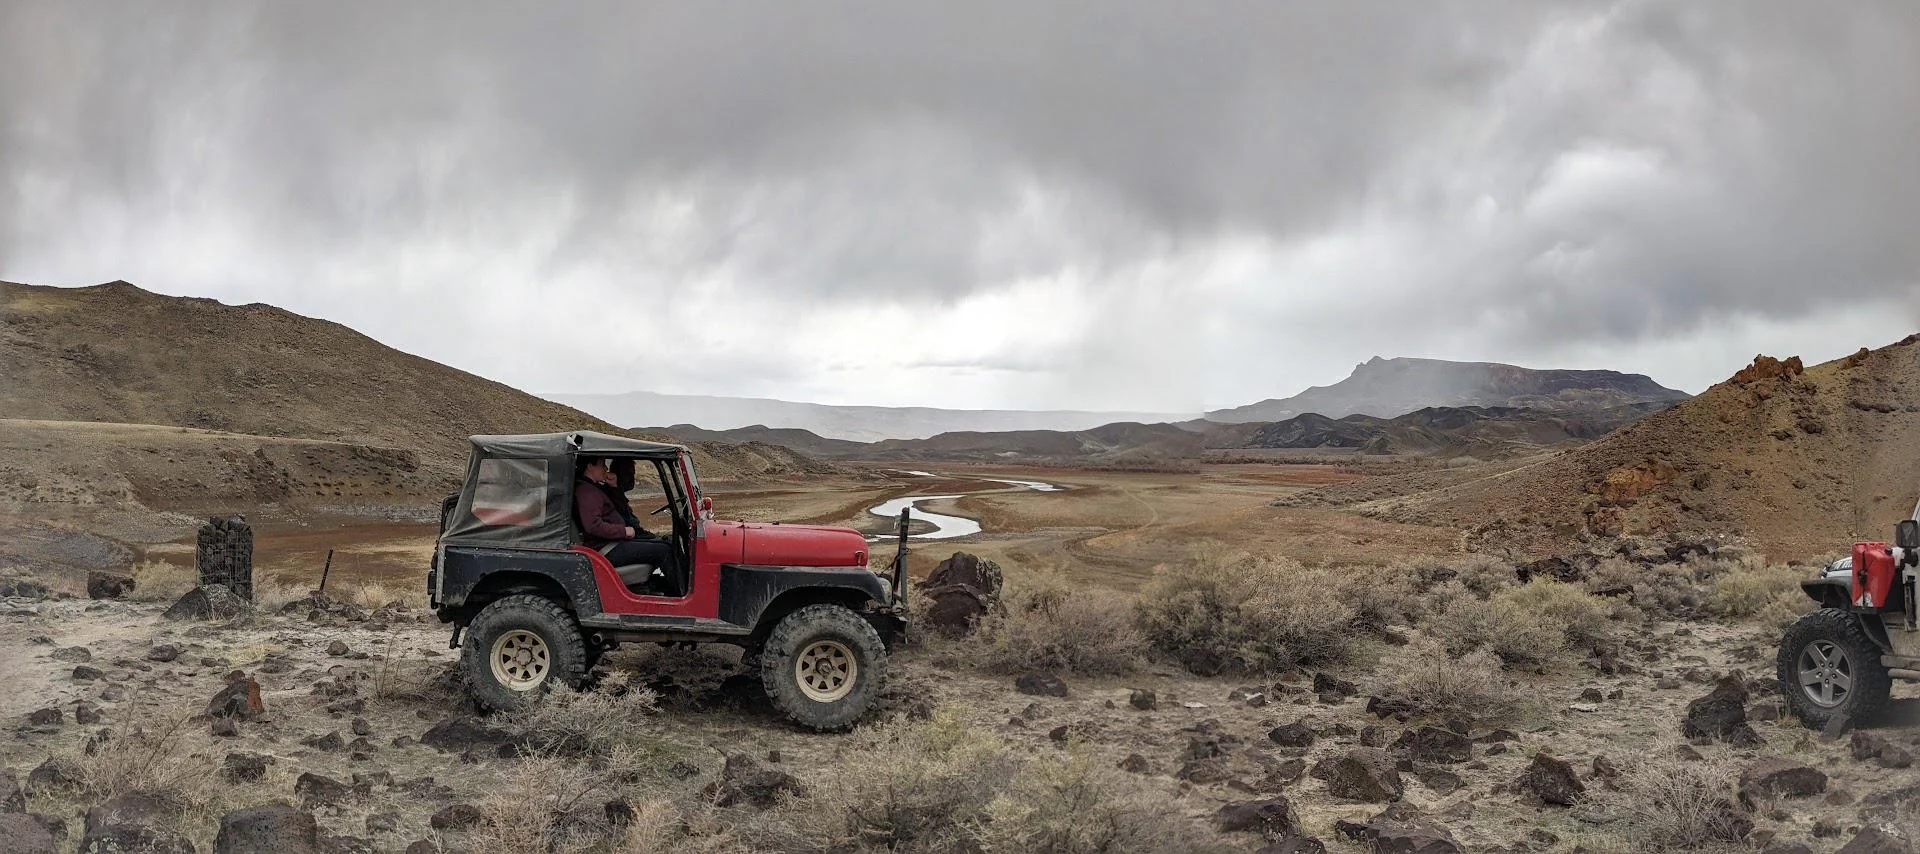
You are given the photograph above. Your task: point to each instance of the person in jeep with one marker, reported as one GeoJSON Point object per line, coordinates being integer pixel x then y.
{"type": "Point", "coordinates": [605, 529]}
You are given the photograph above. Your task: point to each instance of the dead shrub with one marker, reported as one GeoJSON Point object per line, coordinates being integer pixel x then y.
{"type": "Point", "coordinates": [162, 581]}
{"type": "Point", "coordinates": [543, 804]}
{"type": "Point", "coordinates": [1086, 806]}
{"type": "Point", "coordinates": [1665, 591]}
{"type": "Point", "coordinates": [599, 722]}
{"type": "Point", "coordinates": [1669, 805]}
{"type": "Point", "coordinates": [1433, 683]}
{"type": "Point", "coordinates": [1226, 612]}
{"type": "Point", "coordinates": [1482, 575]}
{"type": "Point", "coordinates": [901, 786]}
{"type": "Point", "coordinates": [1382, 597]}
{"type": "Point", "coordinates": [1535, 624]}
{"type": "Point", "coordinates": [159, 753]}
{"type": "Point", "coordinates": [1049, 624]}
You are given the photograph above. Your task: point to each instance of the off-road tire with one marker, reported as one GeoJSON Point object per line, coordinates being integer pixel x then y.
{"type": "Point", "coordinates": [833, 632]}
{"type": "Point", "coordinates": [1836, 633]}
{"type": "Point", "coordinates": [519, 616]}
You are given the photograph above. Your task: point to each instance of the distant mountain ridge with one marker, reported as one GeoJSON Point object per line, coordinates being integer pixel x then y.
{"type": "Point", "coordinates": [1388, 388]}
{"type": "Point", "coordinates": [650, 410]}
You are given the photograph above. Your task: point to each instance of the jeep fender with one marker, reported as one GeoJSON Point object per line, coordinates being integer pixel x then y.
{"type": "Point", "coordinates": [753, 596]}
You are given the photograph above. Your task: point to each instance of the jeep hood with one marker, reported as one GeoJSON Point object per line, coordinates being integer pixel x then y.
{"type": "Point", "coordinates": [774, 544]}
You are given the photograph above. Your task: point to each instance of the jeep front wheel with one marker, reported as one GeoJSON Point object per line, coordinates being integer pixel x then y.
{"type": "Point", "coordinates": [520, 646]}
{"type": "Point", "coordinates": [823, 666]}
{"type": "Point", "coordinates": [1828, 667]}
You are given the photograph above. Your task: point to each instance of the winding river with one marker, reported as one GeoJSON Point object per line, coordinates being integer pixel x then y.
{"type": "Point", "coordinates": [945, 527]}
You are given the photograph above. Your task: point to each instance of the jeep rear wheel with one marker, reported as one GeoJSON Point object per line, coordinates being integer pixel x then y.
{"type": "Point", "coordinates": [520, 646]}
{"type": "Point", "coordinates": [1828, 667]}
{"type": "Point", "coordinates": [823, 666]}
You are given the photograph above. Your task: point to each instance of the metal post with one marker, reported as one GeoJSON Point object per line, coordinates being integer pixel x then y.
{"type": "Point", "coordinates": [324, 570]}
{"type": "Point", "coordinates": [900, 564]}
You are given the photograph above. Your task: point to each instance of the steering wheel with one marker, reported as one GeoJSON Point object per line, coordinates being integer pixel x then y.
{"type": "Point", "coordinates": [663, 509]}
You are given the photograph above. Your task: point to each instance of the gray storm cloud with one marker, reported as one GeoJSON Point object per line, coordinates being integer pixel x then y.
{"type": "Point", "coordinates": [1184, 192]}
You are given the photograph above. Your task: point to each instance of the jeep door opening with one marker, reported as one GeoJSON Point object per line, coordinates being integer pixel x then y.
{"type": "Point", "coordinates": [537, 606]}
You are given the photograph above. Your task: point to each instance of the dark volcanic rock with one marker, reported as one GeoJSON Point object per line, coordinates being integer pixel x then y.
{"type": "Point", "coordinates": [275, 828]}
{"type": "Point", "coordinates": [1040, 685]}
{"type": "Point", "coordinates": [1295, 734]}
{"type": "Point", "coordinates": [207, 602]}
{"type": "Point", "coordinates": [244, 767]}
{"type": "Point", "coordinates": [1434, 744]}
{"type": "Point", "coordinates": [240, 699]}
{"type": "Point", "coordinates": [1770, 777]}
{"type": "Point", "coordinates": [1866, 746]}
{"type": "Point", "coordinates": [1551, 781]}
{"type": "Point", "coordinates": [131, 823]}
{"type": "Point", "coordinates": [1873, 840]}
{"type": "Point", "coordinates": [1273, 818]}
{"type": "Point", "coordinates": [457, 817]}
{"type": "Point", "coordinates": [963, 588]}
{"type": "Point", "coordinates": [1360, 774]}
{"type": "Point", "coordinates": [1143, 699]}
{"type": "Point", "coordinates": [463, 734]}
{"type": "Point", "coordinates": [53, 775]}
{"type": "Point", "coordinates": [743, 780]}
{"type": "Point", "coordinates": [1721, 714]}
{"type": "Point", "coordinates": [104, 584]}
{"type": "Point", "coordinates": [1399, 830]}
{"type": "Point", "coordinates": [316, 790]}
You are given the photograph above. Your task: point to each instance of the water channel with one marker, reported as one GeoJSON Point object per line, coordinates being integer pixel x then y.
{"type": "Point", "coordinates": [945, 527]}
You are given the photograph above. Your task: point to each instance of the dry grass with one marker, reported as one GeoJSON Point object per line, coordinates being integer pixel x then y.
{"type": "Point", "coordinates": [1438, 685]}
{"type": "Point", "coordinates": [162, 753]}
{"type": "Point", "coordinates": [1537, 624]}
{"type": "Point", "coordinates": [1224, 612]}
{"type": "Point", "coordinates": [1754, 590]}
{"type": "Point", "coordinates": [1084, 805]}
{"type": "Point", "coordinates": [904, 786]}
{"type": "Point", "coordinates": [162, 581]}
{"type": "Point", "coordinates": [1670, 805]}
{"type": "Point", "coordinates": [546, 805]}
{"type": "Point", "coordinates": [1048, 624]}
{"type": "Point", "coordinates": [612, 717]}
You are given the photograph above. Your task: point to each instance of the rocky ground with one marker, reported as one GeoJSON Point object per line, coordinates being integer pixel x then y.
{"type": "Point", "coordinates": [326, 726]}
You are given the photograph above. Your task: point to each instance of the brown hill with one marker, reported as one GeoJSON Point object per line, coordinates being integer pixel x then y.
{"type": "Point", "coordinates": [1801, 463]}
{"type": "Point", "coordinates": [1438, 431]}
{"type": "Point", "coordinates": [116, 353]}
{"type": "Point", "coordinates": [1385, 388]}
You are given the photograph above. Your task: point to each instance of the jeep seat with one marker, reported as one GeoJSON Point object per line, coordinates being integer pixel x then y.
{"type": "Point", "coordinates": [635, 574]}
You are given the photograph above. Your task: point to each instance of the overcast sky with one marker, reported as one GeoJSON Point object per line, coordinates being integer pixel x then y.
{"type": "Point", "coordinates": [1119, 204]}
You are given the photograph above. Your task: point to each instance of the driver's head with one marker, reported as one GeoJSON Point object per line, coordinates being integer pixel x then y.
{"type": "Point", "coordinates": [595, 469]}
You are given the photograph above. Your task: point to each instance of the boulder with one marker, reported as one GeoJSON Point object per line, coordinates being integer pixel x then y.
{"type": "Point", "coordinates": [132, 823]}
{"type": "Point", "coordinates": [1360, 774]}
{"type": "Point", "coordinates": [963, 588]}
{"type": "Point", "coordinates": [207, 602]}
{"type": "Point", "coordinates": [72, 654]}
{"type": "Point", "coordinates": [240, 699]}
{"type": "Point", "coordinates": [464, 734]}
{"type": "Point", "coordinates": [1866, 746]}
{"type": "Point", "coordinates": [50, 716]}
{"type": "Point", "coordinates": [1551, 781]}
{"type": "Point", "coordinates": [244, 767]}
{"type": "Point", "coordinates": [1142, 699]}
{"type": "Point", "coordinates": [1873, 840]}
{"type": "Point", "coordinates": [1273, 818]}
{"type": "Point", "coordinates": [1295, 734]}
{"type": "Point", "coordinates": [1399, 830]}
{"type": "Point", "coordinates": [1721, 715]}
{"type": "Point", "coordinates": [23, 834]}
{"type": "Point", "coordinates": [104, 584]}
{"type": "Point", "coordinates": [86, 713]}
{"type": "Point", "coordinates": [275, 828]}
{"type": "Point", "coordinates": [316, 790]}
{"type": "Point", "coordinates": [163, 652]}
{"type": "Point", "coordinates": [743, 780]}
{"type": "Point", "coordinates": [53, 775]}
{"type": "Point", "coordinates": [1772, 777]}
{"type": "Point", "coordinates": [1040, 685]}
{"type": "Point", "coordinates": [1434, 744]}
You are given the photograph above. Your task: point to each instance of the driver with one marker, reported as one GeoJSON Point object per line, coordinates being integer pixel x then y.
{"type": "Point", "coordinates": [608, 530]}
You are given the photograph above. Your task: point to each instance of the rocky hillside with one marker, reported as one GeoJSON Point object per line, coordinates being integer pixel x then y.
{"type": "Point", "coordinates": [1386, 388]}
{"type": "Point", "coordinates": [1800, 461]}
{"type": "Point", "coordinates": [115, 353]}
{"type": "Point", "coordinates": [1439, 431]}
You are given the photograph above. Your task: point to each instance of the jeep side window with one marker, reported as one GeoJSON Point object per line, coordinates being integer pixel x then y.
{"type": "Point", "coordinates": [510, 492]}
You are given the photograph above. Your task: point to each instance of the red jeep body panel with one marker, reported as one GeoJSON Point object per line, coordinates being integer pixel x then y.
{"type": "Point", "coordinates": [752, 544]}
{"type": "Point", "coordinates": [1873, 572]}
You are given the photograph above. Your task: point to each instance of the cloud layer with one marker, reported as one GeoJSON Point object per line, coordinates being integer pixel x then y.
{"type": "Point", "coordinates": [1081, 204]}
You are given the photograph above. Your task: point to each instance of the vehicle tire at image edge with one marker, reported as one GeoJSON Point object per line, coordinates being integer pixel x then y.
{"type": "Point", "coordinates": [823, 666]}
{"type": "Point", "coordinates": [1828, 666]}
{"type": "Point", "coordinates": [518, 647]}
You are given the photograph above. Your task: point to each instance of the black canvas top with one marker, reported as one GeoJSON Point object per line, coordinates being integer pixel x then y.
{"type": "Point", "coordinates": [519, 489]}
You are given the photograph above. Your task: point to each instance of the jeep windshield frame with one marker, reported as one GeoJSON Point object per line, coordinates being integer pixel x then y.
{"type": "Point", "coordinates": [518, 491]}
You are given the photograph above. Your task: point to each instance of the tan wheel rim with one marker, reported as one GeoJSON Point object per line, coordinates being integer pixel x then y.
{"type": "Point", "coordinates": [521, 660]}
{"type": "Point", "coordinates": [826, 671]}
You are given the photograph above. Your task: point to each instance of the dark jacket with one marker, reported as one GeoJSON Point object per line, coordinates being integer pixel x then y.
{"type": "Point", "coordinates": [600, 519]}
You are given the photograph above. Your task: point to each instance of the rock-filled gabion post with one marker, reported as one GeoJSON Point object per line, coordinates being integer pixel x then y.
{"type": "Point", "coordinates": [225, 555]}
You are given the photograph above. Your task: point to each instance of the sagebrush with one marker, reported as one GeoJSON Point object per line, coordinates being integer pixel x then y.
{"type": "Point", "coordinates": [1225, 612]}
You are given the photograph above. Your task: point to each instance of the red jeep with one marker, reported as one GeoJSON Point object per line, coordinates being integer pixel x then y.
{"type": "Point", "coordinates": [536, 605]}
